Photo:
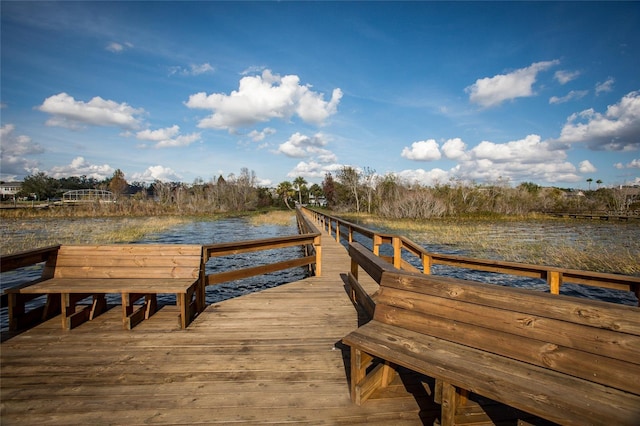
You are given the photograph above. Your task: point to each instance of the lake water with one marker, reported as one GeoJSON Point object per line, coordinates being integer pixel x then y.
{"type": "Point", "coordinates": [239, 229]}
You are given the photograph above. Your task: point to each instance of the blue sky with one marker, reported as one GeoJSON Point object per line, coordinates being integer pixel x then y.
{"type": "Point", "coordinates": [431, 91]}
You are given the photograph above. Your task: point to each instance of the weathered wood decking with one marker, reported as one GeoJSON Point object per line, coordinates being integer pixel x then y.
{"type": "Point", "coordinates": [268, 357]}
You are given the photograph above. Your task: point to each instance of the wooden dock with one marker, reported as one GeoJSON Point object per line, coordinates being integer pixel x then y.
{"type": "Point", "coordinates": [267, 357]}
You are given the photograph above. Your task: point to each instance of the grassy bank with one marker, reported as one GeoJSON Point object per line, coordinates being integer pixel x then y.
{"type": "Point", "coordinates": [509, 239]}
{"type": "Point", "coordinates": [25, 234]}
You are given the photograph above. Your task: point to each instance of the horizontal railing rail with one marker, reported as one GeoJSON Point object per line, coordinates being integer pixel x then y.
{"type": "Point", "coordinates": [11, 262]}
{"type": "Point", "coordinates": [309, 239]}
{"type": "Point", "coordinates": [343, 230]}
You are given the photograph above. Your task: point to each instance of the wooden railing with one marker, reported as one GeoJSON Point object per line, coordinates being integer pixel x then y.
{"type": "Point", "coordinates": [345, 231]}
{"type": "Point", "coordinates": [23, 259]}
{"type": "Point", "coordinates": [309, 239]}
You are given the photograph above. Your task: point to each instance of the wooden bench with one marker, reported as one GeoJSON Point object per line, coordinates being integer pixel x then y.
{"type": "Point", "coordinates": [135, 271]}
{"type": "Point", "coordinates": [564, 359]}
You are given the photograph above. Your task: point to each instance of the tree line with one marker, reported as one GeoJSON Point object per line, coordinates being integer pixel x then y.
{"type": "Point", "coordinates": [350, 190]}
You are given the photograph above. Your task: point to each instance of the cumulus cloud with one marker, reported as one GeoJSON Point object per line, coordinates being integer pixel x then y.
{"type": "Point", "coordinates": [313, 169]}
{"type": "Point", "coordinates": [422, 151]}
{"type": "Point", "coordinates": [425, 177]}
{"type": "Point", "coordinates": [81, 167]}
{"type": "Point", "coordinates": [67, 112]}
{"type": "Point", "coordinates": [258, 136]}
{"type": "Point", "coordinates": [168, 137]}
{"type": "Point", "coordinates": [618, 129]}
{"type": "Point", "coordinates": [153, 173]}
{"type": "Point", "coordinates": [633, 164]}
{"type": "Point", "coordinates": [118, 47]}
{"type": "Point", "coordinates": [586, 167]}
{"type": "Point", "coordinates": [262, 98]}
{"type": "Point", "coordinates": [15, 151]}
{"type": "Point", "coordinates": [606, 86]}
{"type": "Point", "coordinates": [301, 146]}
{"type": "Point", "coordinates": [563, 76]}
{"type": "Point", "coordinates": [454, 149]}
{"type": "Point", "coordinates": [193, 69]}
{"type": "Point", "coordinates": [574, 94]}
{"type": "Point", "coordinates": [492, 91]}
{"type": "Point", "coordinates": [526, 159]}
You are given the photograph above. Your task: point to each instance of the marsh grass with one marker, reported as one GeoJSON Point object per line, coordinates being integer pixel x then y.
{"type": "Point", "coordinates": [512, 239]}
{"type": "Point", "coordinates": [26, 234]}
{"type": "Point", "coordinates": [274, 217]}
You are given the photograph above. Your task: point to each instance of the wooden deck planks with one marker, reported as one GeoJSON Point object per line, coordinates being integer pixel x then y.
{"type": "Point", "coordinates": [268, 357]}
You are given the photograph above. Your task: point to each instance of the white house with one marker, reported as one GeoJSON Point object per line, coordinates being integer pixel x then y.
{"type": "Point", "coordinates": [9, 189]}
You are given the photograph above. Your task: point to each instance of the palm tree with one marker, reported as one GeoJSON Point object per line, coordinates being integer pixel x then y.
{"type": "Point", "coordinates": [589, 182]}
{"type": "Point", "coordinates": [599, 182]}
{"type": "Point", "coordinates": [284, 191]}
{"type": "Point", "coordinates": [299, 183]}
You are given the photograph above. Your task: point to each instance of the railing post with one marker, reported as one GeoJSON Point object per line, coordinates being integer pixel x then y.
{"type": "Point", "coordinates": [554, 279]}
{"type": "Point", "coordinates": [377, 242]}
{"type": "Point", "coordinates": [354, 268]}
{"type": "Point", "coordinates": [426, 264]}
{"type": "Point", "coordinates": [338, 231]}
{"type": "Point", "coordinates": [397, 252]}
{"type": "Point", "coordinates": [318, 248]}
{"type": "Point", "coordinates": [350, 234]}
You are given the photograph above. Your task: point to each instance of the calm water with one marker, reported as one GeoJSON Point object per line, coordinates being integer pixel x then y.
{"type": "Point", "coordinates": [210, 232]}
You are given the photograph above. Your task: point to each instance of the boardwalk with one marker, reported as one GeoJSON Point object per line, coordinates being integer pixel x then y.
{"type": "Point", "coordinates": [268, 357]}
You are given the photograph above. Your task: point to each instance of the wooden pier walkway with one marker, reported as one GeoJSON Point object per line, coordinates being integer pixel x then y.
{"type": "Point", "coordinates": [267, 357]}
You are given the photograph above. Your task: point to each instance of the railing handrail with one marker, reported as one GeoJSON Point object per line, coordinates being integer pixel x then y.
{"type": "Point", "coordinates": [309, 238]}
{"type": "Point", "coordinates": [554, 276]}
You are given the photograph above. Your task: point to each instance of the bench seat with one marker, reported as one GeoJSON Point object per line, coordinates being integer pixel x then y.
{"type": "Point", "coordinates": [568, 360]}
{"type": "Point", "coordinates": [543, 392]}
{"type": "Point", "coordinates": [134, 271]}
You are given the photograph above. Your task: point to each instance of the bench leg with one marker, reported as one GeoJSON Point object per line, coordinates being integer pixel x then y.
{"type": "Point", "coordinates": [98, 306]}
{"type": "Point", "coordinates": [20, 318]}
{"type": "Point", "coordinates": [450, 398]}
{"type": "Point", "coordinates": [71, 318]}
{"type": "Point", "coordinates": [132, 316]}
{"type": "Point", "coordinates": [190, 304]}
{"type": "Point", "coordinates": [362, 384]}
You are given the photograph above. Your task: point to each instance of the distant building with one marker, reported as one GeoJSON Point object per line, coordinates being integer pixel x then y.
{"type": "Point", "coordinates": [10, 189]}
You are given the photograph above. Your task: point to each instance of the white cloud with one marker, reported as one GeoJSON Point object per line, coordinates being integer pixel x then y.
{"type": "Point", "coordinates": [262, 98]}
{"type": "Point", "coordinates": [618, 129]}
{"type": "Point", "coordinates": [153, 173]}
{"type": "Point", "coordinates": [425, 177]}
{"type": "Point", "coordinates": [524, 151]}
{"type": "Point", "coordinates": [454, 149]}
{"type": "Point", "coordinates": [520, 160]}
{"type": "Point", "coordinates": [301, 146]}
{"type": "Point", "coordinates": [422, 151]}
{"type": "Point", "coordinates": [257, 136]}
{"type": "Point", "coordinates": [606, 86]}
{"type": "Point", "coordinates": [313, 169]}
{"type": "Point", "coordinates": [118, 47]}
{"type": "Point", "coordinates": [634, 164]}
{"type": "Point", "coordinates": [492, 91]}
{"type": "Point", "coordinates": [574, 94]}
{"type": "Point", "coordinates": [586, 167]}
{"type": "Point", "coordinates": [67, 112]}
{"type": "Point", "coordinates": [193, 69]}
{"type": "Point", "coordinates": [168, 137]}
{"type": "Point", "coordinates": [563, 76]}
{"type": "Point", "coordinates": [15, 151]}
{"type": "Point", "coordinates": [81, 167]}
